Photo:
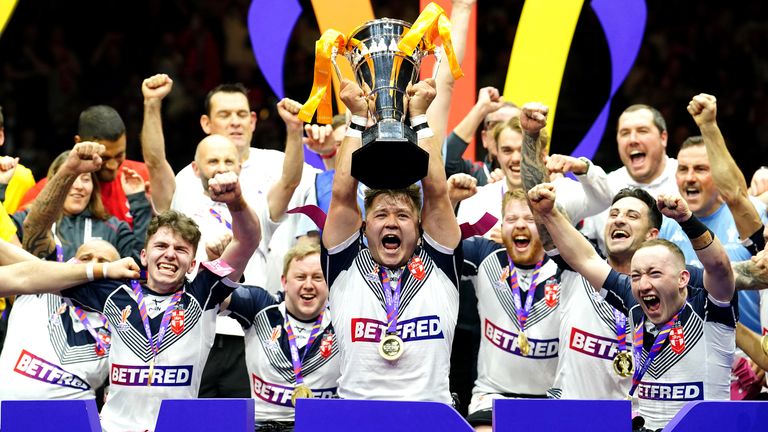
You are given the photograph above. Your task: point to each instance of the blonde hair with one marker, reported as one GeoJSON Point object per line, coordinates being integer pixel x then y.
{"type": "Point", "coordinates": [299, 252]}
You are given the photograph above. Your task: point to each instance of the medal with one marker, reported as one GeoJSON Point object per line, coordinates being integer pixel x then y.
{"type": "Point", "coordinates": [764, 343]}
{"type": "Point", "coordinates": [151, 372]}
{"type": "Point", "coordinates": [301, 392]}
{"type": "Point", "coordinates": [523, 344]}
{"type": "Point", "coordinates": [622, 365]}
{"type": "Point", "coordinates": [391, 347]}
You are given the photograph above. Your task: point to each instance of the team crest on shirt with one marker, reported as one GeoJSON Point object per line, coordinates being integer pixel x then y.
{"type": "Point", "coordinates": [274, 337]}
{"type": "Point", "coordinates": [177, 319]}
{"type": "Point", "coordinates": [372, 276]}
{"type": "Point", "coordinates": [55, 318]}
{"type": "Point", "coordinates": [326, 346]}
{"type": "Point", "coordinates": [416, 267]}
{"type": "Point", "coordinates": [123, 325]}
{"type": "Point", "coordinates": [676, 339]}
{"type": "Point", "coordinates": [551, 290]}
{"type": "Point", "coordinates": [501, 284]}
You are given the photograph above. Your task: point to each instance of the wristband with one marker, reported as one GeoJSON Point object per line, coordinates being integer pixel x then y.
{"type": "Point", "coordinates": [424, 133]}
{"type": "Point", "coordinates": [698, 233]}
{"type": "Point", "coordinates": [756, 242]}
{"type": "Point", "coordinates": [89, 272]}
{"type": "Point", "coordinates": [328, 155]}
{"type": "Point", "coordinates": [354, 133]}
{"type": "Point", "coordinates": [417, 120]}
{"type": "Point", "coordinates": [104, 271]}
{"type": "Point", "coordinates": [359, 121]}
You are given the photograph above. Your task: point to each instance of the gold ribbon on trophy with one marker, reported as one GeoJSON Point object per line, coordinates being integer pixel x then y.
{"type": "Point", "coordinates": [431, 23]}
{"type": "Point", "coordinates": [320, 97]}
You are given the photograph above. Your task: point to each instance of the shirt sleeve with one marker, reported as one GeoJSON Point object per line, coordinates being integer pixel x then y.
{"type": "Point", "coordinates": [211, 285]}
{"type": "Point", "coordinates": [619, 291]}
{"type": "Point", "coordinates": [93, 295]}
{"type": "Point", "coordinates": [339, 258]}
{"type": "Point", "coordinates": [449, 261]}
{"type": "Point", "coordinates": [246, 302]}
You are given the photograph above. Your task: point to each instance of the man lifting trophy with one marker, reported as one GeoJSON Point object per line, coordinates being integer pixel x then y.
{"type": "Point", "coordinates": [385, 55]}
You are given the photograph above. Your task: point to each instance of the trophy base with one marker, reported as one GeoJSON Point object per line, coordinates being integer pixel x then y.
{"type": "Point", "coordinates": [390, 157]}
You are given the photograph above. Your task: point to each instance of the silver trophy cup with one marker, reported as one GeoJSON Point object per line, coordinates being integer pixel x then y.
{"type": "Point", "coordinates": [390, 157]}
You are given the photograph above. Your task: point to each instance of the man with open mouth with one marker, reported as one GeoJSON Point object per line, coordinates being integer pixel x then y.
{"type": "Point", "coordinates": [395, 300]}
{"type": "Point", "coordinates": [681, 338]}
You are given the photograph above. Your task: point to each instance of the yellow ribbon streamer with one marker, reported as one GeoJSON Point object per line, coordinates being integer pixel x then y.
{"type": "Point", "coordinates": [6, 9]}
{"type": "Point", "coordinates": [320, 97]}
{"type": "Point", "coordinates": [431, 23]}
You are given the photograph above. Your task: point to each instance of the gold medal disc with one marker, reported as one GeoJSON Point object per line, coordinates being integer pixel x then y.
{"type": "Point", "coordinates": [622, 365]}
{"type": "Point", "coordinates": [523, 344]}
{"type": "Point", "coordinates": [391, 347]}
{"type": "Point", "coordinates": [764, 343]}
{"type": "Point", "coordinates": [301, 392]}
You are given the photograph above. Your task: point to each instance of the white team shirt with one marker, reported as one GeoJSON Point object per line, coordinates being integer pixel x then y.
{"type": "Point", "coordinates": [426, 322]}
{"type": "Point", "coordinates": [501, 367]}
{"type": "Point", "coordinates": [133, 405]}
{"type": "Point", "coordinates": [268, 356]}
{"type": "Point", "coordinates": [764, 311]}
{"type": "Point", "coordinates": [48, 353]}
{"type": "Point", "coordinates": [694, 362]}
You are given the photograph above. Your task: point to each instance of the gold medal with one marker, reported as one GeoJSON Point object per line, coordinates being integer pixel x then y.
{"type": "Point", "coordinates": [523, 344]}
{"type": "Point", "coordinates": [151, 372]}
{"type": "Point", "coordinates": [391, 347]}
{"type": "Point", "coordinates": [301, 392]}
{"type": "Point", "coordinates": [622, 364]}
{"type": "Point", "coordinates": [764, 343]}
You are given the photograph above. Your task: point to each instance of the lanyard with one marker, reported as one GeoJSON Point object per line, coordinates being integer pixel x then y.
{"type": "Point", "coordinates": [655, 349]}
{"type": "Point", "coordinates": [522, 312]}
{"type": "Point", "coordinates": [101, 345]}
{"type": "Point", "coordinates": [216, 215]}
{"type": "Point", "coordinates": [295, 358]}
{"type": "Point", "coordinates": [391, 297]}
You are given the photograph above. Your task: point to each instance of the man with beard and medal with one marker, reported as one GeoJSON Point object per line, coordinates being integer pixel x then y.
{"type": "Point", "coordinates": [395, 295]}
{"type": "Point", "coordinates": [682, 337]}
{"type": "Point", "coordinates": [290, 347]}
{"type": "Point", "coordinates": [517, 289]}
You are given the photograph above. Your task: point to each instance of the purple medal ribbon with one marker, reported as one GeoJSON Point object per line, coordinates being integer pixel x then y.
{"type": "Point", "coordinates": [136, 286]}
{"type": "Point", "coordinates": [522, 312]}
{"type": "Point", "coordinates": [638, 348]}
{"type": "Point", "coordinates": [295, 358]}
{"type": "Point", "coordinates": [391, 298]}
{"type": "Point", "coordinates": [101, 347]}
{"type": "Point", "coordinates": [621, 329]}
{"type": "Point", "coordinates": [221, 219]}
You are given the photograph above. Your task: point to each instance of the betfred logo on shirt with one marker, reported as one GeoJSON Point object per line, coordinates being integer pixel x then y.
{"type": "Point", "coordinates": [281, 395]}
{"type": "Point", "coordinates": [671, 391]}
{"type": "Point", "coordinates": [592, 345]}
{"type": "Point", "coordinates": [163, 376]}
{"type": "Point", "coordinates": [37, 368]}
{"type": "Point", "coordinates": [419, 328]}
{"type": "Point", "coordinates": [507, 341]}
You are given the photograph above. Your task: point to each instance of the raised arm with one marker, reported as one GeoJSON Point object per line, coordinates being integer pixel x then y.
{"type": "Point", "coordinates": [281, 192]}
{"type": "Point", "coordinates": [246, 227]}
{"type": "Point", "coordinates": [718, 274]}
{"type": "Point", "coordinates": [749, 342]}
{"type": "Point", "coordinates": [753, 273]}
{"type": "Point", "coordinates": [437, 217]}
{"type": "Point", "coordinates": [12, 254]}
{"type": "Point", "coordinates": [726, 174]}
{"type": "Point", "coordinates": [36, 276]}
{"type": "Point", "coordinates": [437, 115]}
{"type": "Point", "coordinates": [572, 246]}
{"type": "Point", "coordinates": [82, 159]}
{"type": "Point", "coordinates": [163, 181]}
{"type": "Point", "coordinates": [533, 118]}
{"type": "Point", "coordinates": [344, 217]}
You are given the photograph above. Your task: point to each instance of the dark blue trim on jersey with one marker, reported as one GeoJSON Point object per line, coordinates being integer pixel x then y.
{"type": "Point", "coordinates": [247, 301]}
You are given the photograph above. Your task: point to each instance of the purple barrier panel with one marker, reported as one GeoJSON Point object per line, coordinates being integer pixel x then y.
{"type": "Point", "coordinates": [342, 415]}
{"type": "Point", "coordinates": [558, 415]}
{"type": "Point", "coordinates": [204, 415]}
{"type": "Point", "coordinates": [704, 416]}
{"type": "Point", "coordinates": [50, 415]}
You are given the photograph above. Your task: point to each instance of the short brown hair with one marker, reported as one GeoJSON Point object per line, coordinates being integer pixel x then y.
{"type": "Point", "coordinates": [299, 252]}
{"type": "Point", "coordinates": [671, 247]}
{"type": "Point", "coordinates": [178, 223]}
{"type": "Point", "coordinates": [658, 119]}
{"type": "Point", "coordinates": [510, 195]}
{"type": "Point", "coordinates": [691, 141]}
{"type": "Point", "coordinates": [412, 193]}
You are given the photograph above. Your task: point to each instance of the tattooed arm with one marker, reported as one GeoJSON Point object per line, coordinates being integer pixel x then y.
{"type": "Point", "coordinates": [82, 160]}
{"type": "Point", "coordinates": [533, 118]}
{"type": "Point", "coordinates": [753, 273]}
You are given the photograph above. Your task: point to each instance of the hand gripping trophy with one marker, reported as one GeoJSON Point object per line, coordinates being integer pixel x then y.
{"type": "Point", "coordinates": [385, 55]}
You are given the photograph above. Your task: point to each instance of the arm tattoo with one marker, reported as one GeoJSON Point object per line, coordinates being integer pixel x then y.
{"type": "Point", "coordinates": [38, 239]}
{"type": "Point", "coordinates": [748, 277]}
{"type": "Point", "coordinates": [533, 173]}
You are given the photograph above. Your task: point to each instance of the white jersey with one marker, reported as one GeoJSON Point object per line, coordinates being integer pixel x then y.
{"type": "Point", "coordinates": [764, 311]}
{"type": "Point", "coordinates": [501, 367]}
{"type": "Point", "coordinates": [49, 354]}
{"type": "Point", "coordinates": [694, 362]}
{"type": "Point", "coordinates": [426, 322]}
{"type": "Point", "coordinates": [132, 403]}
{"type": "Point", "coordinates": [268, 355]}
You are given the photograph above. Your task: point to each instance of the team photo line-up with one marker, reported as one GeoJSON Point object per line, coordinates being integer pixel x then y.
{"type": "Point", "coordinates": [251, 274]}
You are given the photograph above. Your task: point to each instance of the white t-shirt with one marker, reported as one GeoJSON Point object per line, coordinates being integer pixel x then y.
{"type": "Point", "coordinates": [49, 354]}
{"type": "Point", "coordinates": [132, 404]}
{"type": "Point", "coordinates": [426, 322]}
{"type": "Point", "coordinates": [268, 356]}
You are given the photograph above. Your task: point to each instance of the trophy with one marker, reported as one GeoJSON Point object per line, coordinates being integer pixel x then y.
{"type": "Point", "coordinates": [385, 55]}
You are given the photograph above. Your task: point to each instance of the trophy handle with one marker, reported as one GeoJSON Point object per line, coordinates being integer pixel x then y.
{"type": "Point", "coordinates": [334, 52]}
{"type": "Point", "coordinates": [438, 59]}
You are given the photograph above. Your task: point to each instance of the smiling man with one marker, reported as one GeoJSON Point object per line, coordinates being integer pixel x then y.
{"type": "Point", "coordinates": [684, 336]}
{"type": "Point", "coordinates": [394, 300]}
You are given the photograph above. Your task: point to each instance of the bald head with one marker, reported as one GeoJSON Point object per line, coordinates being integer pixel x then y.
{"type": "Point", "coordinates": [97, 251]}
{"type": "Point", "coordinates": [215, 154]}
